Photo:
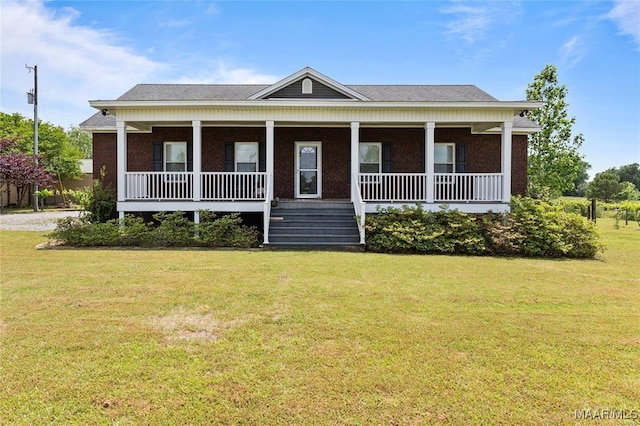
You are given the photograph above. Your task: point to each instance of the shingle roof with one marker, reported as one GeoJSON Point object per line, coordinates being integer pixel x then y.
{"type": "Point", "coordinates": [421, 93]}
{"type": "Point", "coordinates": [380, 93]}
{"type": "Point", "coordinates": [191, 92]}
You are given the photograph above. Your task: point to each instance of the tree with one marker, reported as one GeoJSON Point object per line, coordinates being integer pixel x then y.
{"type": "Point", "coordinates": [20, 169]}
{"type": "Point", "coordinates": [81, 140]}
{"type": "Point", "coordinates": [604, 186]}
{"type": "Point", "coordinates": [628, 191]}
{"type": "Point", "coordinates": [628, 173]}
{"type": "Point", "coordinates": [580, 183]}
{"type": "Point", "coordinates": [554, 160]}
{"type": "Point", "coordinates": [58, 156]}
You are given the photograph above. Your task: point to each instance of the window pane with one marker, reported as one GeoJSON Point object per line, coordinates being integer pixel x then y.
{"type": "Point", "coordinates": [369, 153]}
{"type": "Point", "coordinates": [246, 153]}
{"type": "Point", "coordinates": [369, 168]}
{"type": "Point", "coordinates": [246, 167]}
{"type": "Point", "coordinates": [443, 153]}
{"type": "Point", "coordinates": [175, 152]}
{"type": "Point", "coordinates": [174, 167]}
{"type": "Point", "coordinates": [308, 157]}
{"type": "Point", "coordinates": [443, 168]}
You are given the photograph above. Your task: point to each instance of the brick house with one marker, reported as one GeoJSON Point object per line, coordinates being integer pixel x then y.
{"type": "Point", "coordinates": [305, 141]}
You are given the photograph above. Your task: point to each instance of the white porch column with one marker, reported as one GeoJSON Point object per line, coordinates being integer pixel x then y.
{"type": "Point", "coordinates": [429, 154]}
{"type": "Point", "coordinates": [121, 158]}
{"type": "Point", "coordinates": [269, 148]}
{"type": "Point", "coordinates": [355, 153]}
{"type": "Point", "coordinates": [507, 126]}
{"type": "Point", "coordinates": [197, 160]}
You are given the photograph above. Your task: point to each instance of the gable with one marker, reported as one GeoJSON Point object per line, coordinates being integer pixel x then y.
{"type": "Point", "coordinates": [308, 84]}
{"type": "Point", "coordinates": [314, 89]}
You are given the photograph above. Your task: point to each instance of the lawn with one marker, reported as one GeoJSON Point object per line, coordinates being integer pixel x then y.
{"type": "Point", "coordinates": [251, 337]}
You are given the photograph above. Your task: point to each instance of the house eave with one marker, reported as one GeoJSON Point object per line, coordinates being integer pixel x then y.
{"type": "Point", "coordinates": [278, 103]}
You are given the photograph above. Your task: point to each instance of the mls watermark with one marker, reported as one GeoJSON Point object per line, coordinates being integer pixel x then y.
{"type": "Point", "coordinates": [607, 414]}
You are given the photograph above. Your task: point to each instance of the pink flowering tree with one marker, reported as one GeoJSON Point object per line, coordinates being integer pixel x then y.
{"type": "Point", "coordinates": [20, 169]}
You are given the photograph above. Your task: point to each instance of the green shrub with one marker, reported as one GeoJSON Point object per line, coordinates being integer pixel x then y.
{"type": "Point", "coordinates": [549, 231]}
{"type": "Point", "coordinates": [533, 228]}
{"type": "Point", "coordinates": [225, 231]}
{"type": "Point", "coordinates": [98, 201]}
{"type": "Point", "coordinates": [171, 230]}
{"type": "Point", "coordinates": [414, 230]}
{"type": "Point", "coordinates": [174, 230]}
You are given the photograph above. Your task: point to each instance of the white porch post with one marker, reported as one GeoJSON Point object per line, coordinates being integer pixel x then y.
{"type": "Point", "coordinates": [507, 126]}
{"type": "Point", "coordinates": [121, 161]}
{"type": "Point", "coordinates": [428, 160]}
{"type": "Point", "coordinates": [355, 152]}
{"type": "Point", "coordinates": [197, 160]}
{"type": "Point", "coordinates": [269, 148]}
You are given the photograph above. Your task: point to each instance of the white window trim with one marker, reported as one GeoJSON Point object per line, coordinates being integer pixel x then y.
{"type": "Point", "coordinates": [174, 178]}
{"type": "Point", "coordinates": [379, 144]}
{"type": "Point", "coordinates": [453, 155]}
{"type": "Point", "coordinates": [164, 153]}
{"type": "Point", "coordinates": [235, 155]}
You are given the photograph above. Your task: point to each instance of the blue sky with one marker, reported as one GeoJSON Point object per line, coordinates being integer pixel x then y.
{"type": "Point", "coordinates": [99, 49]}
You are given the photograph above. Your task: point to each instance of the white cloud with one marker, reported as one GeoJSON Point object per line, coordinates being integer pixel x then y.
{"type": "Point", "coordinates": [626, 15]}
{"type": "Point", "coordinates": [572, 51]}
{"type": "Point", "coordinates": [471, 21]}
{"type": "Point", "coordinates": [474, 18]}
{"type": "Point", "coordinates": [77, 63]}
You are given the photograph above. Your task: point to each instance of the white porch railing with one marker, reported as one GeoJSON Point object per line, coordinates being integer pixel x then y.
{"type": "Point", "coordinates": [234, 186]}
{"type": "Point", "coordinates": [266, 213]}
{"type": "Point", "coordinates": [447, 187]}
{"type": "Point", "coordinates": [359, 207]}
{"type": "Point", "coordinates": [179, 186]}
{"type": "Point", "coordinates": [158, 185]}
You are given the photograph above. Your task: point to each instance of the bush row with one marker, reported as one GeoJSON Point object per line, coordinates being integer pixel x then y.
{"type": "Point", "coordinates": [169, 230]}
{"type": "Point", "coordinates": [602, 209]}
{"type": "Point", "coordinates": [532, 229]}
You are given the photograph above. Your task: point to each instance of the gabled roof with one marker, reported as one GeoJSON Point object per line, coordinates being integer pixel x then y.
{"type": "Point", "coordinates": [363, 92]}
{"type": "Point", "coordinates": [313, 75]}
{"type": "Point", "coordinates": [306, 85]}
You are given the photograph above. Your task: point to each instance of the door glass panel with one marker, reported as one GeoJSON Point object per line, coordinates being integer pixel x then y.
{"type": "Point", "coordinates": [308, 158]}
{"type": "Point", "coordinates": [308, 182]}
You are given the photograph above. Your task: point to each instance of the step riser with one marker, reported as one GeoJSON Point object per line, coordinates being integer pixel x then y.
{"type": "Point", "coordinates": [313, 224]}
{"type": "Point", "coordinates": [315, 232]}
{"type": "Point", "coordinates": [314, 240]}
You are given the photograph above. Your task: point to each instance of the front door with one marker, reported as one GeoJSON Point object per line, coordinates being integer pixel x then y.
{"type": "Point", "coordinates": [308, 170]}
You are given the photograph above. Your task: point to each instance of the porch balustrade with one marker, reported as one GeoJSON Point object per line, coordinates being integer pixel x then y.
{"type": "Point", "coordinates": [179, 186]}
{"type": "Point", "coordinates": [250, 186]}
{"type": "Point", "coordinates": [447, 187]}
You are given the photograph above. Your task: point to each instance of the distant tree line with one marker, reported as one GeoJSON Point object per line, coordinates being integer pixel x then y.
{"type": "Point", "coordinates": [60, 152]}
{"type": "Point", "coordinates": [616, 184]}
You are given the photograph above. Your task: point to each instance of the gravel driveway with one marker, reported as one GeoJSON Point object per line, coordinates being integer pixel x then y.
{"type": "Point", "coordinates": [40, 221]}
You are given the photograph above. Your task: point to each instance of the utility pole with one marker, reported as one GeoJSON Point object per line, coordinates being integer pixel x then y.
{"type": "Point", "coordinates": [32, 98]}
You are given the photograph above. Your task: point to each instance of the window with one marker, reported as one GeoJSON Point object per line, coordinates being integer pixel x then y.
{"type": "Point", "coordinates": [307, 86]}
{"type": "Point", "coordinates": [246, 156]}
{"type": "Point", "coordinates": [370, 157]}
{"type": "Point", "coordinates": [444, 158]}
{"type": "Point", "coordinates": [175, 156]}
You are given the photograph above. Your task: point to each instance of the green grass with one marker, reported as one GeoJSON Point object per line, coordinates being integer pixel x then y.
{"type": "Point", "coordinates": [218, 337]}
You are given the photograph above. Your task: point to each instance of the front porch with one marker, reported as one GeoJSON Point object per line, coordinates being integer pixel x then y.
{"type": "Point", "coordinates": [374, 188]}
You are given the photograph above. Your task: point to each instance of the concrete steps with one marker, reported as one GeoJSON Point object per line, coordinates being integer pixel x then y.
{"type": "Point", "coordinates": [313, 225]}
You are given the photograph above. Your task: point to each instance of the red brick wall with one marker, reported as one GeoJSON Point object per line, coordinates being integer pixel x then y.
{"type": "Point", "coordinates": [335, 159]}
{"type": "Point", "coordinates": [104, 155]}
{"type": "Point", "coordinates": [483, 152]}
{"type": "Point", "coordinates": [519, 165]}
{"type": "Point", "coordinates": [406, 146]}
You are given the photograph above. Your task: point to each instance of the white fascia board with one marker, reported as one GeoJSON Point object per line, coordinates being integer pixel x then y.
{"type": "Point", "coordinates": [309, 72]}
{"type": "Point", "coordinates": [274, 103]}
